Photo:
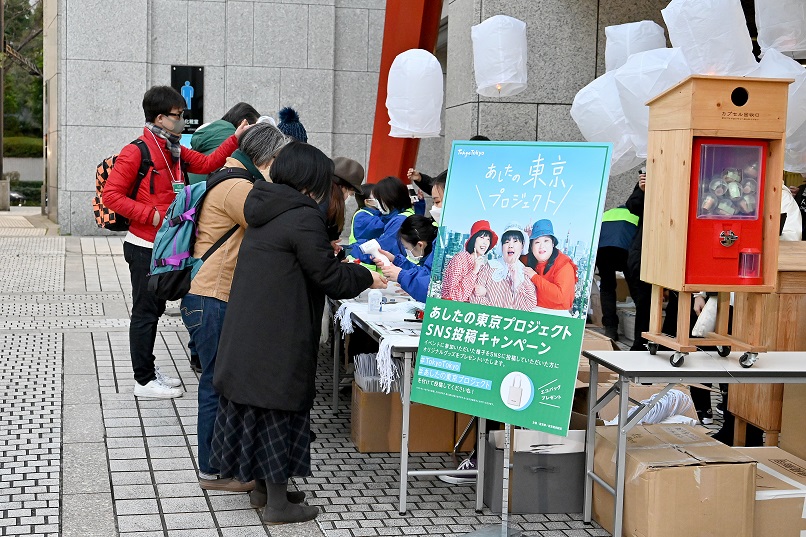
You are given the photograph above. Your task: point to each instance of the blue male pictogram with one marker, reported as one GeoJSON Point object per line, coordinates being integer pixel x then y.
{"type": "Point", "coordinates": [187, 93]}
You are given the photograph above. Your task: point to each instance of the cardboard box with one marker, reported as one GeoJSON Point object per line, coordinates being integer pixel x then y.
{"type": "Point", "coordinates": [377, 420]}
{"type": "Point", "coordinates": [594, 341]}
{"type": "Point", "coordinates": [793, 434]}
{"type": "Point", "coordinates": [549, 482]}
{"type": "Point", "coordinates": [679, 481]}
{"type": "Point", "coordinates": [780, 492]}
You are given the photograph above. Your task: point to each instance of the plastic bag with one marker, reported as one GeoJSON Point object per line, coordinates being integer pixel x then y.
{"type": "Point", "coordinates": [598, 114]}
{"type": "Point", "coordinates": [795, 152]}
{"type": "Point", "coordinates": [499, 56]}
{"type": "Point", "coordinates": [713, 35]}
{"type": "Point", "coordinates": [644, 76]}
{"type": "Point", "coordinates": [781, 25]}
{"type": "Point", "coordinates": [706, 322]}
{"type": "Point", "coordinates": [777, 65]}
{"type": "Point", "coordinates": [624, 40]}
{"type": "Point", "coordinates": [673, 403]}
{"type": "Point", "coordinates": [414, 95]}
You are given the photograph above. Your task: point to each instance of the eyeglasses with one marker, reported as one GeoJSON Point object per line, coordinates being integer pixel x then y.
{"type": "Point", "coordinates": [180, 115]}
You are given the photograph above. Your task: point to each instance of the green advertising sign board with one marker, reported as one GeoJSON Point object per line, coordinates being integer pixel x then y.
{"type": "Point", "coordinates": [510, 282]}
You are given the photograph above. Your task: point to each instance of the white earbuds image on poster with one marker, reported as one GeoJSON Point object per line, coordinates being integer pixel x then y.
{"type": "Point", "coordinates": [517, 391]}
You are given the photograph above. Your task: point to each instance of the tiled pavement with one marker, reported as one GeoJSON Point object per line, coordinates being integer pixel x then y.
{"type": "Point", "coordinates": [81, 457]}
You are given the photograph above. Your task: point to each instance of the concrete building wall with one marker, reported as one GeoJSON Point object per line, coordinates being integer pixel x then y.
{"type": "Point", "coordinates": [319, 56]}
{"type": "Point", "coordinates": [566, 52]}
{"type": "Point", "coordinates": [30, 169]}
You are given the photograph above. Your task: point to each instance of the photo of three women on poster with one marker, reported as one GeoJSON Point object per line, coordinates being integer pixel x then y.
{"type": "Point", "coordinates": [518, 226]}
{"type": "Point", "coordinates": [531, 272]}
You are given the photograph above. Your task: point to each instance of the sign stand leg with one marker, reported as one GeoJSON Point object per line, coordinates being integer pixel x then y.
{"type": "Point", "coordinates": [503, 530]}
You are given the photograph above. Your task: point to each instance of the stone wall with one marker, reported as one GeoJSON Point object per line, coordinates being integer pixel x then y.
{"type": "Point", "coordinates": [319, 56]}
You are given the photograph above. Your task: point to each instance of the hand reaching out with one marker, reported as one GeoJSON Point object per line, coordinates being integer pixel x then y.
{"type": "Point", "coordinates": [391, 272]}
{"type": "Point", "coordinates": [242, 128]}
{"type": "Point", "coordinates": [378, 281]}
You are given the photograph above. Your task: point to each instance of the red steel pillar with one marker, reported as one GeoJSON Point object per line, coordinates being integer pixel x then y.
{"type": "Point", "coordinates": [409, 24]}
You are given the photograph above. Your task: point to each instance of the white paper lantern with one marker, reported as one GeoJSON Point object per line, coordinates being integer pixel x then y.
{"type": "Point", "coordinates": [644, 76]}
{"type": "Point", "coordinates": [777, 65]}
{"type": "Point", "coordinates": [795, 152]}
{"type": "Point", "coordinates": [627, 39]}
{"type": "Point", "coordinates": [414, 95]}
{"type": "Point", "coordinates": [499, 56]}
{"type": "Point", "coordinates": [600, 118]}
{"type": "Point", "coordinates": [712, 34]}
{"type": "Point", "coordinates": [781, 25]}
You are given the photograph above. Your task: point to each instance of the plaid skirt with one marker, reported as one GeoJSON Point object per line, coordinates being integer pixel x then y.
{"type": "Point", "coordinates": [257, 443]}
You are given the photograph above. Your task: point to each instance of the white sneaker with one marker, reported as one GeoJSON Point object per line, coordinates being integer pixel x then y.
{"type": "Point", "coordinates": [454, 479]}
{"type": "Point", "coordinates": [156, 390]}
{"type": "Point", "coordinates": [165, 380]}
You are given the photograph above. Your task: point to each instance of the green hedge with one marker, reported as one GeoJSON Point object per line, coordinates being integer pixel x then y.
{"type": "Point", "coordinates": [22, 146]}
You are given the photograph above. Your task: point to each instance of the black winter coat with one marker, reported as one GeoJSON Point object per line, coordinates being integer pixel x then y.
{"type": "Point", "coordinates": [270, 339]}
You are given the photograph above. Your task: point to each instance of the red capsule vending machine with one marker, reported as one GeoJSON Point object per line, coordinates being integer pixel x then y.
{"type": "Point", "coordinates": [724, 220]}
{"type": "Point", "coordinates": [712, 204]}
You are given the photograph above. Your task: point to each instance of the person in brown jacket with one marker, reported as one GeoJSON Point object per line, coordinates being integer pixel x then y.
{"type": "Point", "coordinates": [203, 308]}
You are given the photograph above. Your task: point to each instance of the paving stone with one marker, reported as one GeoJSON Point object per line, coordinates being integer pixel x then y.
{"type": "Point", "coordinates": [139, 523]}
{"type": "Point", "coordinates": [87, 514]}
{"type": "Point", "coordinates": [184, 504]}
{"type": "Point", "coordinates": [136, 507]}
{"type": "Point", "coordinates": [189, 520]}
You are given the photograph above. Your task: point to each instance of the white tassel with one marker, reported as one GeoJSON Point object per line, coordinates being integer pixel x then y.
{"type": "Point", "coordinates": [344, 316]}
{"type": "Point", "coordinates": [387, 371]}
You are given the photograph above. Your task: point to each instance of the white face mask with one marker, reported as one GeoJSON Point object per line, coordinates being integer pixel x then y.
{"type": "Point", "coordinates": [436, 214]}
{"type": "Point", "coordinates": [384, 210]}
{"type": "Point", "coordinates": [413, 258]}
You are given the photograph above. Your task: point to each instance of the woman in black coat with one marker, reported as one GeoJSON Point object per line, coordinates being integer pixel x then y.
{"type": "Point", "coordinates": [266, 364]}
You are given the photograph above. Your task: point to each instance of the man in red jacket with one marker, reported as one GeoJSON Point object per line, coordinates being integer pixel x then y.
{"type": "Point", "coordinates": [164, 114]}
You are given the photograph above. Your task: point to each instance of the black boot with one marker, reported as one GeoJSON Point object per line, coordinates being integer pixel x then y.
{"type": "Point", "coordinates": [279, 510]}
{"type": "Point", "coordinates": [257, 498]}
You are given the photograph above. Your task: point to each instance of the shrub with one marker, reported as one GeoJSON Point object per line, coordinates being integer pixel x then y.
{"type": "Point", "coordinates": [22, 146]}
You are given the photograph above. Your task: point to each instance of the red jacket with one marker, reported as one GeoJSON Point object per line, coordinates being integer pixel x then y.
{"type": "Point", "coordinates": [555, 290]}
{"type": "Point", "coordinates": [140, 211]}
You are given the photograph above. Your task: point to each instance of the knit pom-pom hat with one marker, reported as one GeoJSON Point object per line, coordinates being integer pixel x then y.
{"type": "Point", "coordinates": [290, 125]}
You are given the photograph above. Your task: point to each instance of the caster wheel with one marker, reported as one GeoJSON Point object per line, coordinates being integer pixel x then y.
{"type": "Point", "coordinates": [653, 348]}
{"type": "Point", "coordinates": [748, 359]}
{"type": "Point", "coordinates": [723, 350]}
{"type": "Point", "coordinates": [677, 359]}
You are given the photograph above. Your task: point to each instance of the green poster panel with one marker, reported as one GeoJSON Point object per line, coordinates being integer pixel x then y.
{"type": "Point", "coordinates": [510, 282]}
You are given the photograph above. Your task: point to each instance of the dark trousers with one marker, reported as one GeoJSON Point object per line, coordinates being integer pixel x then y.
{"type": "Point", "coordinates": [146, 312]}
{"type": "Point", "coordinates": [643, 305]}
{"type": "Point", "coordinates": [204, 318]}
{"type": "Point", "coordinates": [609, 260]}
